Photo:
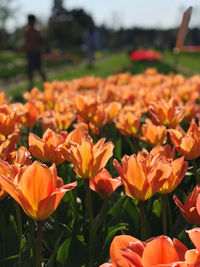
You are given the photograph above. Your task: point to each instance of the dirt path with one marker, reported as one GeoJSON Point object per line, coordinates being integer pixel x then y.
{"type": "Point", "coordinates": [21, 80]}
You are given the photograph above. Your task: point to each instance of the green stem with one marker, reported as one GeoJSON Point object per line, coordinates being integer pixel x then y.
{"type": "Point", "coordinates": [19, 222]}
{"type": "Point", "coordinates": [32, 235]}
{"type": "Point", "coordinates": [131, 144]}
{"type": "Point", "coordinates": [142, 220]}
{"type": "Point", "coordinates": [196, 172]}
{"type": "Point", "coordinates": [91, 223]}
{"type": "Point", "coordinates": [101, 217]}
{"type": "Point", "coordinates": [39, 244]}
{"type": "Point", "coordinates": [164, 213]}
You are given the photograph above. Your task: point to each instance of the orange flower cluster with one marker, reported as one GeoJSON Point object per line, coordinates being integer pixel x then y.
{"type": "Point", "coordinates": [128, 251]}
{"type": "Point", "coordinates": [159, 110]}
{"type": "Point", "coordinates": [146, 173]}
{"type": "Point", "coordinates": [91, 103]}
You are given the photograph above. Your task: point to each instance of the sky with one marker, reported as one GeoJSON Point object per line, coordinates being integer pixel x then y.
{"type": "Point", "coordinates": [118, 13]}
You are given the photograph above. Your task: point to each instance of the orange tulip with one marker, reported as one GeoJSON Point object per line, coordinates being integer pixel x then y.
{"type": "Point", "coordinates": [166, 113]}
{"type": "Point", "coordinates": [48, 122]}
{"type": "Point", "coordinates": [30, 117]}
{"type": "Point", "coordinates": [63, 120]}
{"type": "Point", "coordinates": [48, 148]}
{"type": "Point", "coordinates": [143, 176]}
{"type": "Point", "coordinates": [113, 110]}
{"type": "Point", "coordinates": [10, 171]}
{"type": "Point", "coordinates": [161, 251]}
{"type": "Point", "coordinates": [8, 120]}
{"type": "Point", "coordinates": [3, 99]}
{"type": "Point", "coordinates": [128, 123]}
{"type": "Point", "coordinates": [189, 209]}
{"type": "Point", "coordinates": [104, 184]}
{"type": "Point", "coordinates": [165, 151]}
{"type": "Point", "coordinates": [74, 137]}
{"type": "Point", "coordinates": [88, 158]}
{"type": "Point", "coordinates": [126, 251]}
{"type": "Point", "coordinates": [57, 121]}
{"type": "Point", "coordinates": [86, 107]}
{"type": "Point", "coordinates": [192, 256]}
{"type": "Point", "coordinates": [187, 144]}
{"type": "Point", "coordinates": [22, 156]}
{"type": "Point", "coordinates": [152, 134]}
{"type": "Point", "coordinates": [190, 111]}
{"type": "Point", "coordinates": [179, 168]}
{"type": "Point", "coordinates": [81, 125]}
{"type": "Point", "coordinates": [8, 145]}
{"type": "Point", "coordinates": [37, 189]}
{"type": "Point", "coordinates": [98, 120]}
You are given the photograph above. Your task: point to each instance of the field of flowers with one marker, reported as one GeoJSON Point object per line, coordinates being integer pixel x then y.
{"type": "Point", "coordinates": [102, 172]}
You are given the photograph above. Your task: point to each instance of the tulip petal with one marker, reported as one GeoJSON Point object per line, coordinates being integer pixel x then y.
{"type": "Point", "coordinates": [194, 235]}
{"type": "Point", "coordinates": [192, 256]}
{"type": "Point", "coordinates": [180, 249]}
{"type": "Point", "coordinates": [119, 243]}
{"type": "Point", "coordinates": [36, 146]}
{"type": "Point", "coordinates": [10, 188]}
{"type": "Point", "coordinates": [159, 251]}
{"type": "Point", "coordinates": [48, 205]}
{"type": "Point", "coordinates": [39, 178]}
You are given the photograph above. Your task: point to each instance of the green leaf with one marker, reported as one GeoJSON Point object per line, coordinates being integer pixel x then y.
{"type": "Point", "coordinates": [51, 260]}
{"type": "Point", "coordinates": [63, 252]}
{"type": "Point", "coordinates": [157, 207]}
{"type": "Point", "coordinates": [114, 211]}
{"type": "Point", "coordinates": [132, 211]}
{"type": "Point", "coordinates": [118, 149]}
{"type": "Point", "coordinates": [113, 230]}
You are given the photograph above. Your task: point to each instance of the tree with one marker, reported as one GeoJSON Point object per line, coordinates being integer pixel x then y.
{"type": "Point", "coordinates": [7, 11]}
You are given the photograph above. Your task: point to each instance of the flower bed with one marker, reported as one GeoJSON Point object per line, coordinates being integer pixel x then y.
{"type": "Point", "coordinates": [125, 151]}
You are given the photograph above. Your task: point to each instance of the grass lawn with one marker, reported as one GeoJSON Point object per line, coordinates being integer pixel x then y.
{"type": "Point", "coordinates": [188, 65]}
{"type": "Point", "coordinates": [102, 68]}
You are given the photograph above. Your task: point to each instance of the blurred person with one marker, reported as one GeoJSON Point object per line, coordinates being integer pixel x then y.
{"type": "Point", "coordinates": [91, 44]}
{"type": "Point", "coordinates": [33, 46]}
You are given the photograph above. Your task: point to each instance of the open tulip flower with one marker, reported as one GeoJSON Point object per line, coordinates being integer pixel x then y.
{"type": "Point", "coordinates": [189, 209]}
{"type": "Point", "coordinates": [86, 107]}
{"type": "Point", "coordinates": [192, 256]}
{"type": "Point", "coordinates": [179, 168]}
{"type": "Point", "coordinates": [31, 115]}
{"type": "Point", "coordinates": [37, 189]}
{"type": "Point", "coordinates": [10, 171]}
{"type": "Point", "coordinates": [8, 145]}
{"type": "Point", "coordinates": [143, 176]}
{"type": "Point", "coordinates": [9, 119]}
{"type": "Point", "coordinates": [89, 158]}
{"type": "Point", "coordinates": [3, 99]}
{"type": "Point", "coordinates": [187, 144]}
{"type": "Point", "coordinates": [113, 109]}
{"type": "Point", "coordinates": [21, 156]}
{"type": "Point", "coordinates": [98, 120]}
{"type": "Point", "coordinates": [48, 148]}
{"type": "Point", "coordinates": [104, 184]}
{"type": "Point", "coordinates": [74, 137]}
{"type": "Point", "coordinates": [127, 123]}
{"type": "Point", "coordinates": [166, 113]}
{"type": "Point", "coordinates": [127, 251]}
{"type": "Point", "coordinates": [154, 134]}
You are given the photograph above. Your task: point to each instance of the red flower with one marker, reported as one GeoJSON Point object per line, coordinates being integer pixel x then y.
{"type": "Point", "coordinates": [141, 55]}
